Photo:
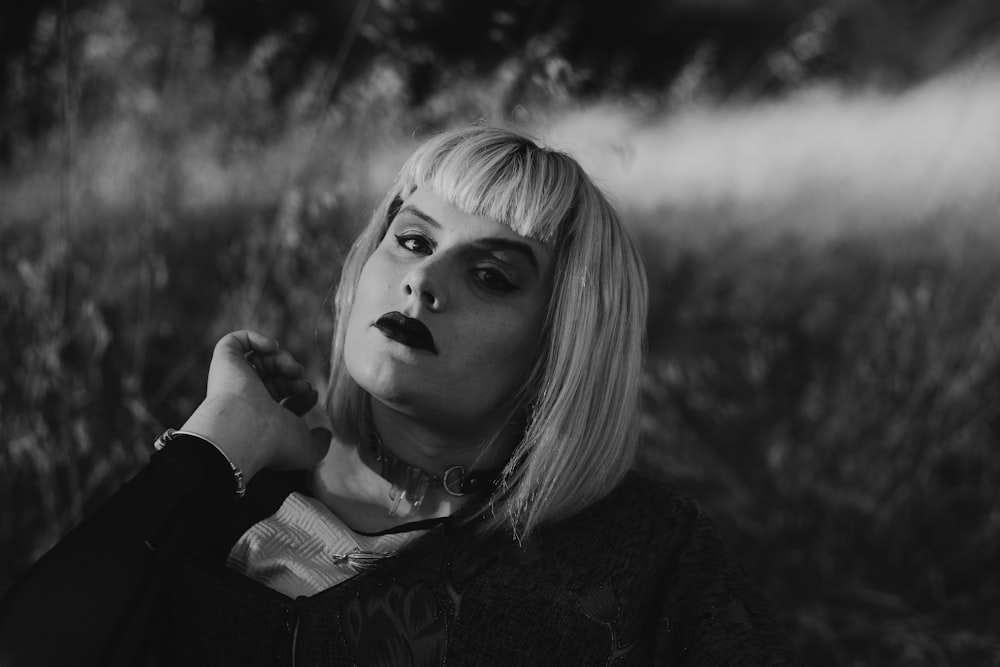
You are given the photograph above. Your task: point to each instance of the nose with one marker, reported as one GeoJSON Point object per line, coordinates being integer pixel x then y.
{"type": "Point", "coordinates": [424, 281]}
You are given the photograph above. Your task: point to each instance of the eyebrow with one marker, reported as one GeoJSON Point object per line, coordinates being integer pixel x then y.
{"type": "Point", "coordinates": [410, 208]}
{"type": "Point", "coordinates": [490, 244]}
{"type": "Point", "coordinates": [520, 247]}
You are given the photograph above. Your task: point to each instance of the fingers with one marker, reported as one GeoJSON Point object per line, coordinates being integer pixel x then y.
{"type": "Point", "coordinates": [321, 438]}
{"type": "Point", "coordinates": [246, 341]}
{"type": "Point", "coordinates": [277, 369]}
{"type": "Point", "coordinates": [280, 363]}
{"type": "Point", "coordinates": [281, 389]}
{"type": "Point", "coordinates": [281, 375]}
{"type": "Point", "coordinates": [317, 419]}
{"type": "Point", "coordinates": [302, 402]}
{"type": "Point", "coordinates": [259, 342]}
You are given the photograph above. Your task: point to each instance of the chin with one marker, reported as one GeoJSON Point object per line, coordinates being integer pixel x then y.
{"type": "Point", "coordinates": [387, 380]}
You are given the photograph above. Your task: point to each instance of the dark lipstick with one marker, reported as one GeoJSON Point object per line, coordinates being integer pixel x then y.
{"type": "Point", "coordinates": [406, 330]}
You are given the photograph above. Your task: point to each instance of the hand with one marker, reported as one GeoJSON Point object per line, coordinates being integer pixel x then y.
{"type": "Point", "coordinates": [241, 412]}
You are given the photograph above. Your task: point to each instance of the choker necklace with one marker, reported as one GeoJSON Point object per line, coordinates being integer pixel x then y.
{"type": "Point", "coordinates": [411, 483]}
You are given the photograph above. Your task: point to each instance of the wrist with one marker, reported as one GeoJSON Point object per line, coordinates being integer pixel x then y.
{"type": "Point", "coordinates": [170, 435]}
{"type": "Point", "coordinates": [235, 428]}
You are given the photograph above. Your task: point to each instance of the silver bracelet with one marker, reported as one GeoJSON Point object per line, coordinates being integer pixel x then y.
{"type": "Point", "coordinates": [171, 433]}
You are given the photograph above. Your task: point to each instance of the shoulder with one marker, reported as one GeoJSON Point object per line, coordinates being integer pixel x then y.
{"type": "Point", "coordinates": [636, 487]}
{"type": "Point", "coordinates": [653, 517]}
{"type": "Point", "coordinates": [645, 533]}
{"type": "Point", "coordinates": [645, 507]}
{"type": "Point", "coordinates": [672, 562]}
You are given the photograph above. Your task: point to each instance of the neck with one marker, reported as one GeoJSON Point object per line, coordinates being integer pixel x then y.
{"type": "Point", "coordinates": [434, 449]}
{"type": "Point", "coordinates": [349, 481]}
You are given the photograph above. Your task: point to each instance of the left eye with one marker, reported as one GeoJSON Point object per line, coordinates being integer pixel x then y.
{"type": "Point", "coordinates": [414, 243]}
{"type": "Point", "coordinates": [494, 280]}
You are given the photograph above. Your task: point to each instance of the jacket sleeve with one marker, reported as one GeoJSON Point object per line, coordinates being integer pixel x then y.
{"type": "Point", "coordinates": [712, 614]}
{"type": "Point", "coordinates": [91, 598]}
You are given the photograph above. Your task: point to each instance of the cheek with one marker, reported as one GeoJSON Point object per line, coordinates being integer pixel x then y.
{"type": "Point", "coordinates": [365, 302]}
{"type": "Point", "coordinates": [371, 286]}
{"type": "Point", "coordinates": [512, 345]}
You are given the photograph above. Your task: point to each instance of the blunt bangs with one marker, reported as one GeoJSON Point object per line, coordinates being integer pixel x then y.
{"type": "Point", "coordinates": [499, 175]}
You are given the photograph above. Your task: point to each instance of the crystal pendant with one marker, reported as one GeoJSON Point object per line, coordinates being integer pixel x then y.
{"type": "Point", "coordinates": [417, 482]}
{"type": "Point", "coordinates": [396, 495]}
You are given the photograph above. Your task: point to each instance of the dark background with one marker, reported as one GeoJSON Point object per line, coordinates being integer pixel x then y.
{"type": "Point", "coordinates": [815, 185]}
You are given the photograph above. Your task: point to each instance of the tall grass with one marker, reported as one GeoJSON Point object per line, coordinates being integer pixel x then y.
{"type": "Point", "coordinates": [824, 371]}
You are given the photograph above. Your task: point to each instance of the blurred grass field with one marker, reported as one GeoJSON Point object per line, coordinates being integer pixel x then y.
{"type": "Point", "coordinates": [824, 371]}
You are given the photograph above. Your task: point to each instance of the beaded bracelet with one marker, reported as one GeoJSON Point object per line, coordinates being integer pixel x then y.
{"type": "Point", "coordinates": [171, 434]}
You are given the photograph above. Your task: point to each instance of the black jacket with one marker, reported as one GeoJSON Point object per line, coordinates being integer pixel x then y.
{"type": "Point", "coordinates": [638, 578]}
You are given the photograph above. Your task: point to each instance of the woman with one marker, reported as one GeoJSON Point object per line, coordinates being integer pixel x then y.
{"type": "Point", "coordinates": [471, 500]}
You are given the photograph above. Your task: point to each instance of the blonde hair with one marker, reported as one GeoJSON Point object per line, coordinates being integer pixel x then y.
{"type": "Point", "coordinates": [580, 400]}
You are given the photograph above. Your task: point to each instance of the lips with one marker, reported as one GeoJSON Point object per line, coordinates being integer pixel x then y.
{"type": "Point", "coordinates": [406, 330]}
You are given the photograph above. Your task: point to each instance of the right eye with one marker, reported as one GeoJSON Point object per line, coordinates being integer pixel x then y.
{"type": "Point", "coordinates": [494, 280]}
{"type": "Point", "coordinates": [415, 243]}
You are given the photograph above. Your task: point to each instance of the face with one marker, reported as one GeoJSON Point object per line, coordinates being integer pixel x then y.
{"type": "Point", "coordinates": [447, 315]}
